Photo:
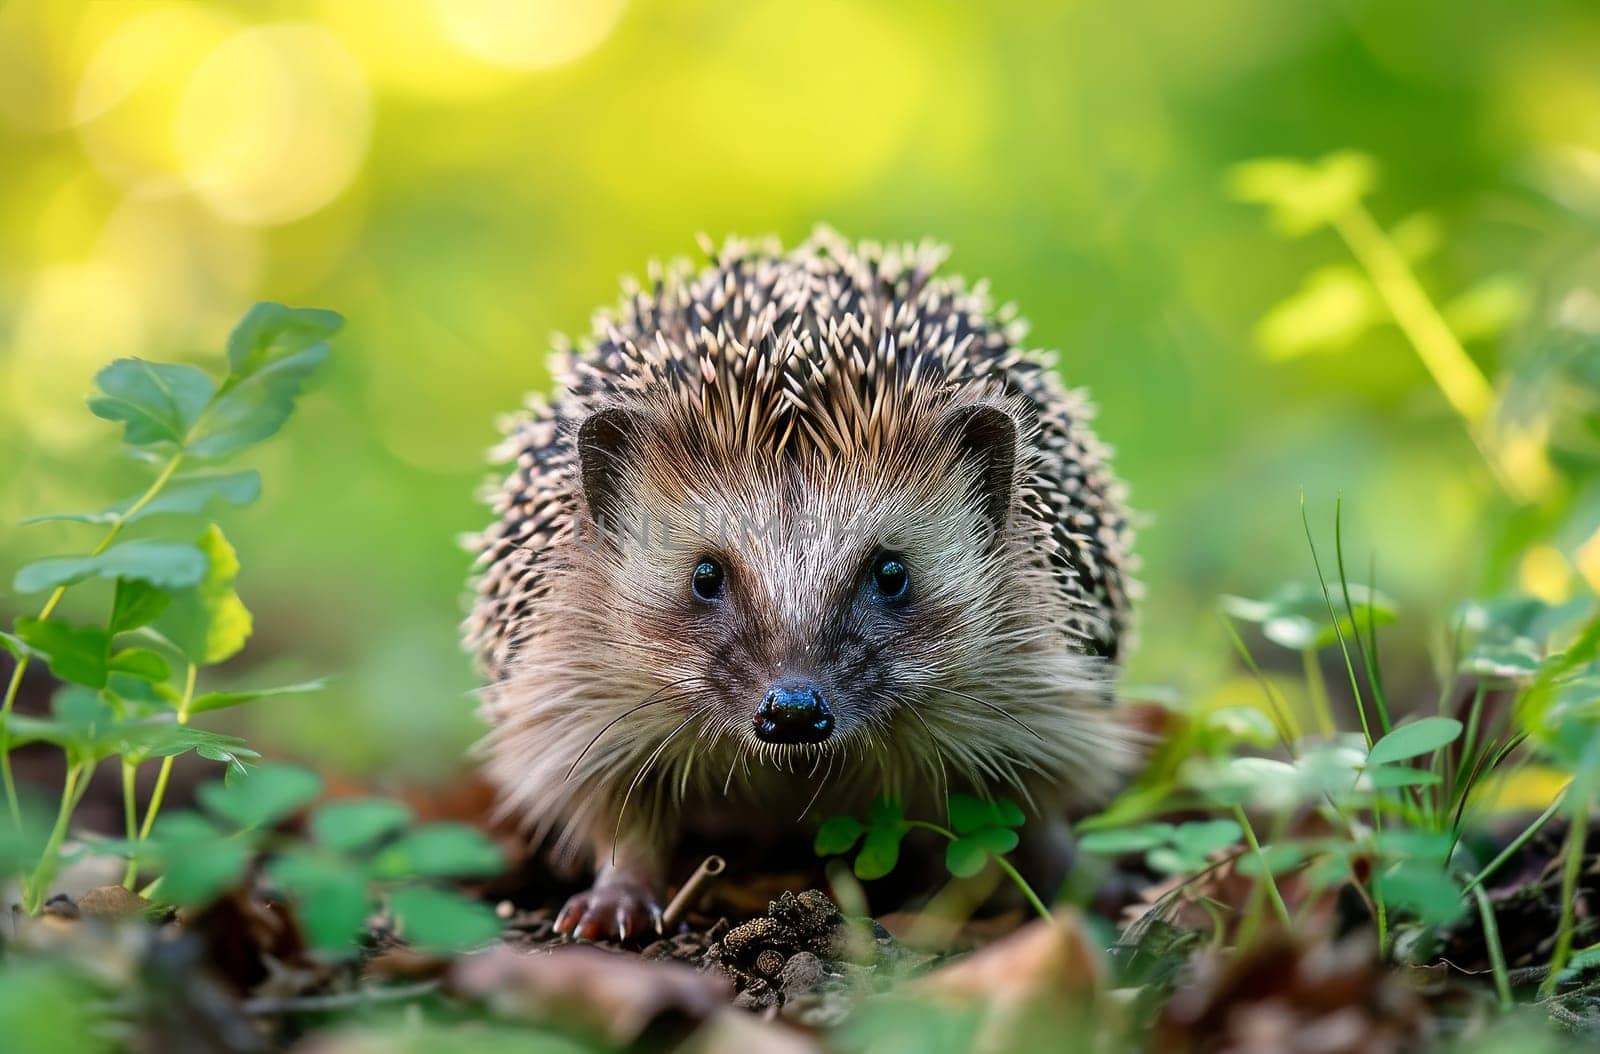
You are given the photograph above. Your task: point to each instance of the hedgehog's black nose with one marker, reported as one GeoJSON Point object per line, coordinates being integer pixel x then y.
{"type": "Point", "coordinates": [794, 712]}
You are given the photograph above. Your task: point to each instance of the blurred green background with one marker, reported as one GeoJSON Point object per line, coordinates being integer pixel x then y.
{"type": "Point", "coordinates": [461, 178]}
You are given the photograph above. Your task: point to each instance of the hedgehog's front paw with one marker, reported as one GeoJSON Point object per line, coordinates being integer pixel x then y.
{"type": "Point", "coordinates": [617, 910]}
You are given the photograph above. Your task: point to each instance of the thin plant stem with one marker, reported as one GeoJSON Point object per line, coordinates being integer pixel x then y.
{"type": "Point", "coordinates": [1317, 688]}
{"type": "Point", "coordinates": [1462, 383]}
{"type": "Point", "coordinates": [1266, 879]}
{"type": "Point", "coordinates": [33, 894]}
{"type": "Point", "coordinates": [1577, 837]}
{"type": "Point", "coordinates": [15, 684]}
{"type": "Point", "coordinates": [1519, 841]}
{"type": "Point", "coordinates": [1333, 618]}
{"type": "Point", "coordinates": [1369, 661]}
{"type": "Point", "coordinates": [1022, 884]}
{"type": "Point", "coordinates": [1452, 369]}
{"type": "Point", "coordinates": [1004, 865]}
{"type": "Point", "coordinates": [1280, 710]}
{"type": "Point", "coordinates": [1491, 941]}
{"type": "Point", "coordinates": [160, 791]}
{"type": "Point", "coordinates": [130, 819]}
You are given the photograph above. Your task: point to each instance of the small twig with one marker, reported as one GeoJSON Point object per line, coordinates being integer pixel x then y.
{"type": "Point", "coordinates": [268, 1006]}
{"type": "Point", "coordinates": [709, 869]}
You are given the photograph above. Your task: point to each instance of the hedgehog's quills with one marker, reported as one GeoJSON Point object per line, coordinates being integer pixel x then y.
{"type": "Point", "coordinates": [800, 529]}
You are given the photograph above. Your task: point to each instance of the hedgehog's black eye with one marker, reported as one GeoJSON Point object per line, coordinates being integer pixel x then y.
{"type": "Point", "coordinates": [707, 580]}
{"type": "Point", "coordinates": [890, 577]}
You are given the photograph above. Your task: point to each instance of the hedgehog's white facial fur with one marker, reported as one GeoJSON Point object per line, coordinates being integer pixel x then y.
{"type": "Point", "coordinates": [795, 541]}
{"type": "Point", "coordinates": [829, 413]}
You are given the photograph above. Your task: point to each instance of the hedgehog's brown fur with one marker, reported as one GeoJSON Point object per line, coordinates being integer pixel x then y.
{"type": "Point", "coordinates": [821, 380]}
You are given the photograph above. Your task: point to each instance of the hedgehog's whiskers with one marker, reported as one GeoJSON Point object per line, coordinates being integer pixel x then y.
{"type": "Point", "coordinates": [649, 700]}
{"type": "Point", "coordinates": [938, 753]}
{"type": "Point", "coordinates": [1002, 711]}
{"type": "Point", "coordinates": [651, 760]}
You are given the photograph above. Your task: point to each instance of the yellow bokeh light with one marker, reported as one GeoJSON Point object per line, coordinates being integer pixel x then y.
{"type": "Point", "coordinates": [274, 123]}
{"type": "Point", "coordinates": [528, 34]}
{"type": "Point", "coordinates": [402, 46]}
{"type": "Point", "coordinates": [1546, 574]}
{"type": "Point", "coordinates": [75, 319]}
{"type": "Point", "coordinates": [189, 268]}
{"type": "Point", "coordinates": [130, 90]}
{"type": "Point", "coordinates": [35, 52]}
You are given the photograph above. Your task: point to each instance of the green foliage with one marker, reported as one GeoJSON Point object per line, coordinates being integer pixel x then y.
{"type": "Point", "coordinates": [1303, 197]}
{"type": "Point", "coordinates": [173, 608]}
{"type": "Point", "coordinates": [981, 831]}
{"type": "Point", "coordinates": [1296, 616]}
{"type": "Point", "coordinates": [360, 854]}
{"type": "Point", "coordinates": [1397, 797]}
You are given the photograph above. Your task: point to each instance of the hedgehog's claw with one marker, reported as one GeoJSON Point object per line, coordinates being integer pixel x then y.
{"type": "Point", "coordinates": [616, 911]}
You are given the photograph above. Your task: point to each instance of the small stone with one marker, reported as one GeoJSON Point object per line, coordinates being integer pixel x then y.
{"type": "Point", "coordinates": [61, 906]}
{"type": "Point", "coordinates": [657, 950]}
{"type": "Point", "coordinates": [803, 972]}
{"type": "Point", "coordinates": [113, 902]}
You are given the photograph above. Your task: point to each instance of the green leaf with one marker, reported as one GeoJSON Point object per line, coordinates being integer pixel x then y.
{"type": "Point", "coordinates": [270, 331]}
{"type": "Point", "coordinates": [136, 604]}
{"type": "Point", "coordinates": [1303, 197]}
{"type": "Point", "coordinates": [1424, 889]}
{"type": "Point", "coordinates": [169, 565]}
{"type": "Point", "coordinates": [438, 921]}
{"type": "Point", "coordinates": [1330, 311]}
{"type": "Point", "coordinates": [885, 813]}
{"type": "Point", "coordinates": [1168, 861]}
{"type": "Point", "coordinates": [1126, 839]}
{"type": "Point", "coordinates": [158, 402]}
{"type": "Point", "coordinates": [1278, 859]}
{"type": "Point", "coordinates": [1489, 308]}
{"type": "Point", "coordinates": [254, 406]}
{"type": "Point", "coordinates": [184, 495]}
{"type": "Point", "coordinates": [968, 813]}
{"type": "Point", "coordinates": [1244, 724]}
{"type": "Point", "coordinates": [1295, 616]}
{"type": "Point", "coordinates": [75, 654]}
{"type": "Point", "coordinates": [1515, 660]}
{"type": "Point", "coordinates": [158, 739]}
{"type": "Point", "coordinates": [357, 824]}
{"type": "Point", "coordinates": [996, 840]}
{"type": "Point", "coordinates": [199, 862]}
{"type": "Point", "coordinates": [263, 797]}
{"type": "Point", "coordinates": [234, 758]}
{"type": "Point", "coordinates": [1414, 739]}
{"type": "Point", "coordinates": [1201, 838]}
{"type": "Point", "coordinates": [142, 663]}
{"type": "Point", "coordinates": [880, 851]}
{"type": "Point", "coordinates": [14, 645]}
{"type": "Point", "coordinates": [964, 857]}
{"type": "Point", "coordinates": [837, 835]}
{"type": "Point", "coordinates": [208, 622]}
{"type": "Point", "coordinates": [332, 897]}
{"type": "Point", "coordinates": [440, 850]}
{"type": "Point", "coordinates": [223, 700]}
{"type": "Point", "coordinates": [80, 723]}
{"type": "Point", "coordinates": [1413, 843]}
{"type": "Point", "coordinates": [1384, 777]}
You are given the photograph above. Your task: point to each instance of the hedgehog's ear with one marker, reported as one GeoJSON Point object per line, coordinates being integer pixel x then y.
{"type": "Point", "coordinates": [986, 438]}
{"type": "Point", "coordinates": [604, 441]}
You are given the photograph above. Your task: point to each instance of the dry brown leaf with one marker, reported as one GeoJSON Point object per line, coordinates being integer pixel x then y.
{"type": "Point", "coordinates": [1042, 959]}
{"type": "Point", "coordinates": [617, 996]}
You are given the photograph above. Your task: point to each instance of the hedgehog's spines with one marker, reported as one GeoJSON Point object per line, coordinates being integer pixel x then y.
{"type": "Point", "coordinates": [821, 352]}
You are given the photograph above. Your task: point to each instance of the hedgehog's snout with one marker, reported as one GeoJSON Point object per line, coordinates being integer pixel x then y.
{"type": "Point", "coordinates": [794, 711]}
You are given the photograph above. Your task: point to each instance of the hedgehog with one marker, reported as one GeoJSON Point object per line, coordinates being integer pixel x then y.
{"type": "Point", "coordinates": [800, 529]}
